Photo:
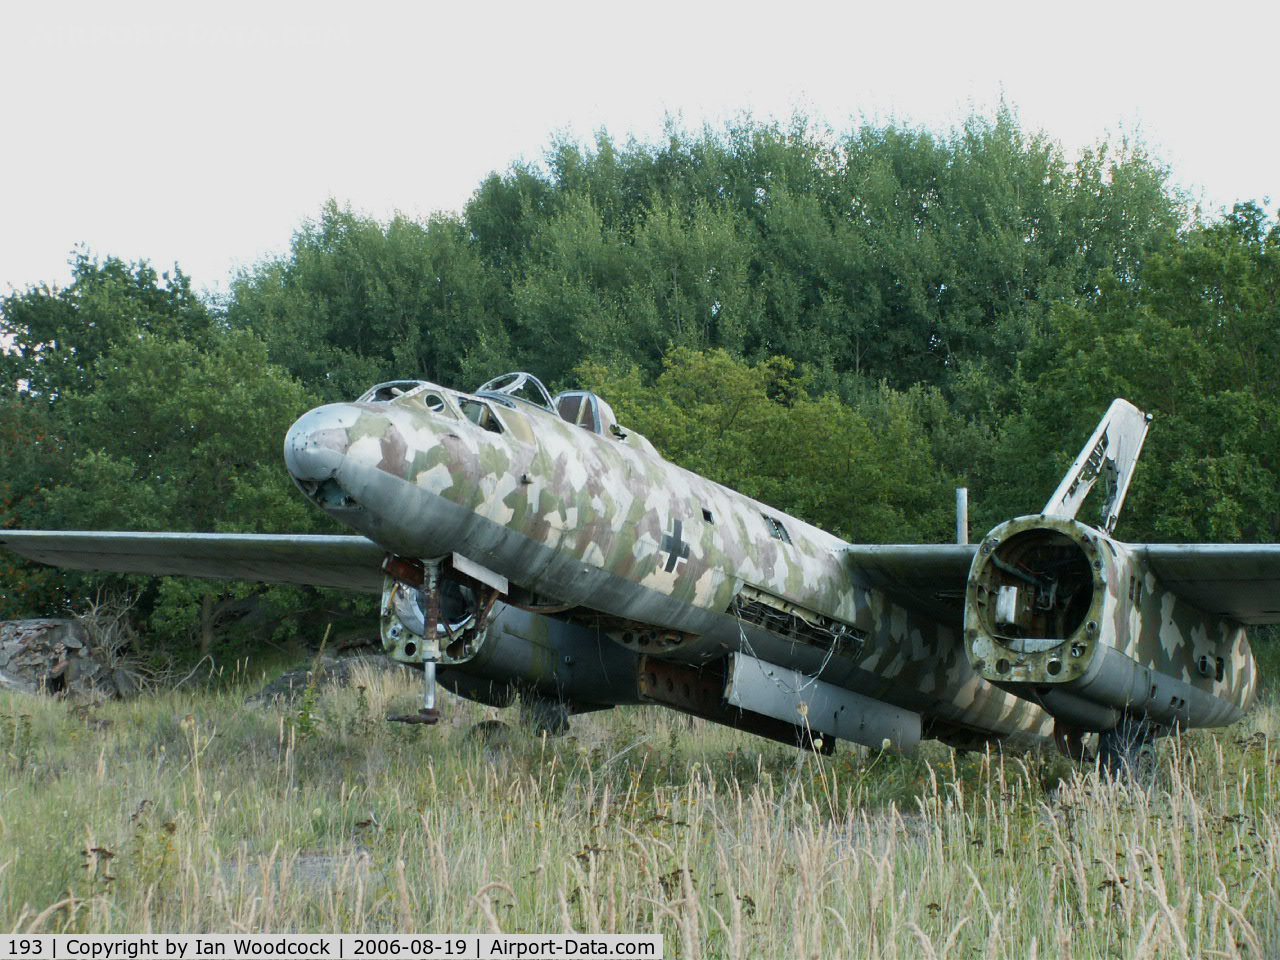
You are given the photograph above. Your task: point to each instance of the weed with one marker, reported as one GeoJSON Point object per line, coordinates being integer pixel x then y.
{"type": "Point", "coordinates": [306, 721]}
{"type": "Point", "coordinates": [639, 821]}
{"type": "Point", "coordinates": [19, 740]}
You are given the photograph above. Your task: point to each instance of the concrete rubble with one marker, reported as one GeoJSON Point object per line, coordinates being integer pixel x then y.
{"type": "Point", "coordinates": [57, 656]}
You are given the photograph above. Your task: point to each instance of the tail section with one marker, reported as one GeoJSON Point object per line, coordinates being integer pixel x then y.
{"type": "Point", "coordinates": [1111, 453]}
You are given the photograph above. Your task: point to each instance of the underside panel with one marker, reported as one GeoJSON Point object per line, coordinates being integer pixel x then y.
{"type": "Point", "coordinates": [925, 577]}
{"type": "Point", "coordinates": [1237, 580]}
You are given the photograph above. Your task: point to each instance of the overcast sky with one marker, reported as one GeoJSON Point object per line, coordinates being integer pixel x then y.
{"type": "Point", "coordinates": [205, 133]}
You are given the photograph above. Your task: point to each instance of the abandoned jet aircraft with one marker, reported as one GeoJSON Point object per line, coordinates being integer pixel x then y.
{"type": "Point", "coordinates": [530, 545]}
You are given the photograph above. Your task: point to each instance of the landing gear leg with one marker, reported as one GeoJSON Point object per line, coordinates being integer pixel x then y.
{"type": "Point", "coordinates": [1070, 742]}
{"type": "Point", "coordinates": [427, 713]}
{"type": "Point", "coordinates": [434, 613]}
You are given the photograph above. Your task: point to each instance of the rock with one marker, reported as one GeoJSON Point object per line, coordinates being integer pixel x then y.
{"type": "Point", "coordinates": [329, 672]}
{"type": "Point", "coordinates": [126, 683]}
{"type": "Point", "coordinates": [81, 669]}
{"type": "Point", "coordinates": [15, 684]}
{"type": "Point", "coordinates": [55, 656]}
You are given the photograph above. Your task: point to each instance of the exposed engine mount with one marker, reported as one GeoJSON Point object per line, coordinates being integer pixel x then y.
{"type": "Point", "coordinates": [433, 613]}
{"type": "Point", "coordinates": [432, 604]}
{"type": "Point", "coordinates": [1033, 591]}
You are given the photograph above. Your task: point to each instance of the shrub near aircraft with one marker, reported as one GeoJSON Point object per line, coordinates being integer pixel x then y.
{"type": "Point", "coordinates": [525, 545]}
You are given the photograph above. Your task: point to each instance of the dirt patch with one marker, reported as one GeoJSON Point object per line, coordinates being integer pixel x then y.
{"type": "Point", "coordinates": [309, 870]}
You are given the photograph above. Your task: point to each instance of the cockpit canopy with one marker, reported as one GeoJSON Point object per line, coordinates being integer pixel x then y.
{"type": "Point", "coordinates": [392, 389]}
{"type": "Point", "coordinates": [579, 407]}
{"type": "Point", "coordinates": [587, 410]}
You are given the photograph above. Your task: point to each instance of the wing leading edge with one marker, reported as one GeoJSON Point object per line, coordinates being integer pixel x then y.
{"type": "Point", "coordinates": [347, 563]}
{"type": "Point", "coordinates": [1241, 581]}
{"type": "Point", "coordinates": [1237, 580]}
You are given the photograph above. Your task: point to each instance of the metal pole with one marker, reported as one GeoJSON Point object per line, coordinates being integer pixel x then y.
{"type": "Point", "coordinates": [962, 514]}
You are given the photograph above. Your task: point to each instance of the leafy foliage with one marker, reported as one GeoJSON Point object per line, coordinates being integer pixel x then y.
{"type": "Point", "coordinates": [1193, 342]}
{"type": "Point", "coordinates": [59, 334]}
{"type": "Point", "coordinates": [357, 302]}
{"type": "Point", "coordinates": [159, 419]}
{"type": "Point", "coordinates": [28, 444]}
{"type": "Point", "coordinates": [841, 324]}
{"type": "Point", "coordinates": [757, 429]}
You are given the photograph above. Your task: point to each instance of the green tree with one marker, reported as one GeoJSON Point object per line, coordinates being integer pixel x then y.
{"type": "Point", "coordinates": [756, 429]}
{"type": "Point", "coordinates": [129, 405]}
{"type": "Point", "coordinates": [175, 437]}
{"type": "Point", "coordinates": [1191, 339]}
{"type": "Point", "coordinates": [679, 278]}
{"type": "Point", "coordinates": [56, 339]}
{"type": "Point", "coordinates": [357, 302]}
{"type": "Point", "coordinates": [59, 333]}
{"type": "Point", "coordinates": [884, 253]}
{"type": "Point", "coordinates": [30, 448]}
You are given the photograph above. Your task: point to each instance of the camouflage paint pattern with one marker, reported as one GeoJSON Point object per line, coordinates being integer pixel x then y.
{"type": "Point", "coordinates": [1129, 612]}
{"type": "Point", "coordinates": [661, 553]}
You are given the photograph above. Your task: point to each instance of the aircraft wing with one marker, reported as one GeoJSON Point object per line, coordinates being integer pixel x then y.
{"type": "Point", "coordinates": [349, 563]}
{"type": "Point", "coordinates": [928, 577]}
{"type": "Point", "coordinates": [1237, 580]}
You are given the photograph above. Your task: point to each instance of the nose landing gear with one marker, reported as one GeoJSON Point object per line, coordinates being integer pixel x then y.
{"type": "Point", "coordinates": [432, 613]}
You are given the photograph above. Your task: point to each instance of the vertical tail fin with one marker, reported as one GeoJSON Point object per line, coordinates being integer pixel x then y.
{"type": "Point", "coordinates": [1111, 453]}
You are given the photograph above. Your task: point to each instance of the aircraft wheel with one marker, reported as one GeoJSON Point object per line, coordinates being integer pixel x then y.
{"type": "Point", "coordinates": [490, 733]}
{"type": "Point", "coordinates": [545, 716]}
{"type": "Point", "coordinates": [1128, 751]}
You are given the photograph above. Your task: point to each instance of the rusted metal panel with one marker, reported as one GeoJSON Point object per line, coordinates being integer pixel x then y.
{"type": "Point", "coordinates": [793, 697]}
{"type": "Point", "coordinates": [699, 691]}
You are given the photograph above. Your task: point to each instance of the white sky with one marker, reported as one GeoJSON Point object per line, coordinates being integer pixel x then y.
{"type": "Point", "coordinates": [205, 133]}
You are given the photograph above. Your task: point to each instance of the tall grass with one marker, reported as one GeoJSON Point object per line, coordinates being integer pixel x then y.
{"type": "Point", "coordinates": [192, 812]}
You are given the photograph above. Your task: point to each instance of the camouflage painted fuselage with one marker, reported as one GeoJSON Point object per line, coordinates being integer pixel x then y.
{"type": "Point", "coordinates": [671, 564]}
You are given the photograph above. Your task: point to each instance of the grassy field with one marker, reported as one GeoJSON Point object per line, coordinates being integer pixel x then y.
{"type": "Point", "coordinates": [190, 812]}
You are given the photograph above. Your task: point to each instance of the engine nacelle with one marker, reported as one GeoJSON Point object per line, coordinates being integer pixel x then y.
{"type": "Point", "coordinates": [520, 652]}
{"type": "Point", "coordinates": [1062, 615]}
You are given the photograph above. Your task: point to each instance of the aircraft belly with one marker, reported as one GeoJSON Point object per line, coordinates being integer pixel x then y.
{"type": "Point", "coordinates": [567, 661]}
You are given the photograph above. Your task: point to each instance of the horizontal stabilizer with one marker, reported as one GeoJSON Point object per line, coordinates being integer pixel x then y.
{"type": "Point", "coordinates": [347, 563]}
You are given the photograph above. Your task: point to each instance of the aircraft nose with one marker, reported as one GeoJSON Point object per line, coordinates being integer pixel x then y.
{"type": "Point", "coordinates": [316, 444]}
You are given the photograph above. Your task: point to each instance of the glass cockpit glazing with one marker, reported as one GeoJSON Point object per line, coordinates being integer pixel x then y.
{"type": "Point", "coordinates": [418, 393]}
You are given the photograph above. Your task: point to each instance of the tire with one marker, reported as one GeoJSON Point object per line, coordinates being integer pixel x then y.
{"type": "Point", "coordinates": [1127, 752]}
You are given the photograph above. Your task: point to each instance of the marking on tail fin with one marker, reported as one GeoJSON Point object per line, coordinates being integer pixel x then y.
{"type": "Point", "coordinates": [1111, 453]}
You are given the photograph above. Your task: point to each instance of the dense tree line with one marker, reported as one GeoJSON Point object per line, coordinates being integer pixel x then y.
{"type": "Point", "coordinates": [845, 325]}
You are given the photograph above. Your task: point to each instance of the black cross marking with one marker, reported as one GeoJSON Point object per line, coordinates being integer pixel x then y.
{"type": "Point", "coordinates": [673, 544]}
